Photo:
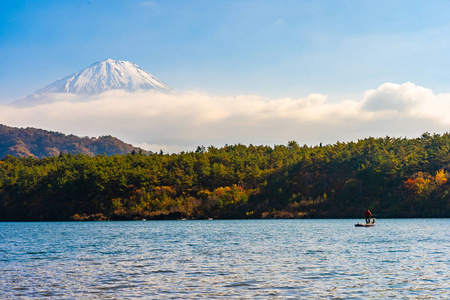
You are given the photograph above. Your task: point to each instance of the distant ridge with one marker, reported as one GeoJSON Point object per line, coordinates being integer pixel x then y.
{"type": "Point", "coordinates": [23, 142]}
{"type": "Point", "coordinates": [98, 78]}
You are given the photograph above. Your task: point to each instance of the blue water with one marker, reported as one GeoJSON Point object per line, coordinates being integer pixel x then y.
{"type": "Point", "coordinates": [251, 259]}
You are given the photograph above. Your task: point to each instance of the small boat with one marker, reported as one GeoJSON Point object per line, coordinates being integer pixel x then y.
{"type": "Point", "coordinates": [371, 224]}
{"type": "Point", "coordinates": [364, 225]}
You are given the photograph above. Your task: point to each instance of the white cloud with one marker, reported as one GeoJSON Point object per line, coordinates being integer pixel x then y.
{"type": "Point", "coordinates": [184, 121]}
{"type": "Point", "coordinates": [394, 97]}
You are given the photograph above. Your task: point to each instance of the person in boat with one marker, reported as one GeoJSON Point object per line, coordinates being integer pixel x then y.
{"type": "Point", "coordinates": [368, 216]}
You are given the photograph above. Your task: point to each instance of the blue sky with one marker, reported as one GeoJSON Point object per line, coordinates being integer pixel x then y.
{"type": "Point", "coordinates": [269, 48]}
{"type": "Point", "coordinates": [261, 72]}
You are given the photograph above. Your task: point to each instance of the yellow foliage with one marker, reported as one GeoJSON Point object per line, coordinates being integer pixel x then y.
{"type": "Point", "coordinates": [117, 203]}
{"type": "Point", "coordinates": [205, 192]}
{"type": "Point", "coordinates": [441, 177]}
{"type": "Point", "coordinates": [422, 185]}
{"type": "Point", "coordinates": [168, 190]}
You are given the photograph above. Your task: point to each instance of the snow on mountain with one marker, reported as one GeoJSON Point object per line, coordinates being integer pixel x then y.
{"type": "Point", "coordinates": [98, 78]}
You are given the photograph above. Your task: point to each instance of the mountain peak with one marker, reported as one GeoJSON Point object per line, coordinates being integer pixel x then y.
{"type": "Point", "coordinates": [107, 75]}
{"type": "Point", "coordinates": [100, 77]}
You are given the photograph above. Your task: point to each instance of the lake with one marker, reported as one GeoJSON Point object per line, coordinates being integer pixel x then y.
{"type": "Point", "coordinates": [226, 259]}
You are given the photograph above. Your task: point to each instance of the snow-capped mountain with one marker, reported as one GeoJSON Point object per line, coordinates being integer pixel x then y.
{"type": "Point", "coordinates": [98, 78]}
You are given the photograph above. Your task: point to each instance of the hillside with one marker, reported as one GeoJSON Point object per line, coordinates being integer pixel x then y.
{"type": "Point", "coordinates": [393, 177]}
{"type": "Point", "coordinates": [22, 142]}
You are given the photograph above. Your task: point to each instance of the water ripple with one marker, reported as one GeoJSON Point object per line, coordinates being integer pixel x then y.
{"type": "Point", "coordinates": [258, 259]}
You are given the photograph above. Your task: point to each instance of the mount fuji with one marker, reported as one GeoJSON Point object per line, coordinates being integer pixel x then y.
{"type": "Point", "coordinates": [98, 78]}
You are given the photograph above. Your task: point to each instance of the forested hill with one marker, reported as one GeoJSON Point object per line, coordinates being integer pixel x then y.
{"type": "Point", "coordinates": [393, 177]}
{"type": "Point", "coordinates": [24, 142]}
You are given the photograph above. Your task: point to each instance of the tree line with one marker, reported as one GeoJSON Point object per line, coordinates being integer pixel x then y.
{"type": "Point", "coordinates": [393, 177]}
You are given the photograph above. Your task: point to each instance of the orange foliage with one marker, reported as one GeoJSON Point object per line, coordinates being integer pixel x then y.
{"type": "Point", "coordinates": [423, 183]}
